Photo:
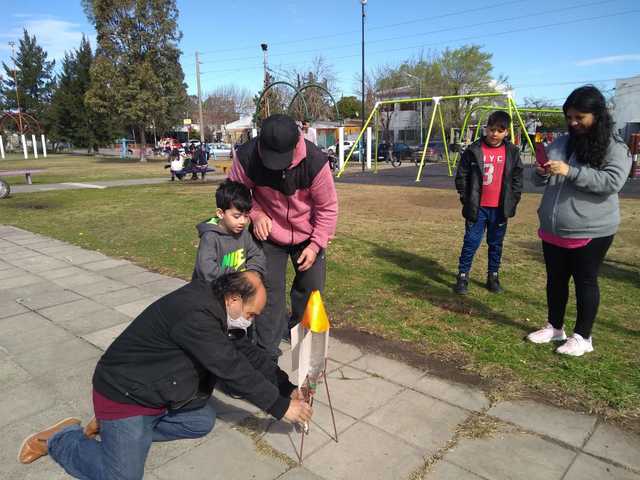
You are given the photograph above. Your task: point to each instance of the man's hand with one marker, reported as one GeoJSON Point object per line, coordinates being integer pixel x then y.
{"type": "Point", "coordinates": [306, 259]}
{"type": "Point", "coordinates": [262, 228]}
{"type": "Point", "coordinates": [299, 411]}
{"type": "Point", "coordinates": [297, 394]}
{"type": "Point", "coordinates": [541, 171]}
{"type": "Point", "coordinates": [557, 167]}
{"type": "Point", "coordinates": [302, 393]}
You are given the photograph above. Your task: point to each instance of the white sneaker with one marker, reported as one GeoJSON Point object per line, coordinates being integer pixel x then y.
{"type": "Point", "coordinates": [547, 334]}
{"type": "Point", "coordinates": [576, 346]}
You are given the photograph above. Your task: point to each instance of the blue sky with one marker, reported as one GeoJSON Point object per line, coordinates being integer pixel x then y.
{"type": "Point", "coordinates": [545, 47]}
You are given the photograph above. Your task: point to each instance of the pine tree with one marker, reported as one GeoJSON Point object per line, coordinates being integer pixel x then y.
{"type": "Point", "coordinates": [136, 75]}
{"type": "Point", "coordinates": [35, 78]}
{"type": "Point", "coordinates": [72, 120]}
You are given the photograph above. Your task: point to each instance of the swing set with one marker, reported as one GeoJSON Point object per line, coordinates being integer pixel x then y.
{"type": "Point", "coordinates": [510, 107]}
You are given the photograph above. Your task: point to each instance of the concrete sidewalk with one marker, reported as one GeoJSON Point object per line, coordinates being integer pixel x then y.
{"type": "Point", "coordinates": [61, 306]}
{"type": "Point", "coordinates": [100, 185]}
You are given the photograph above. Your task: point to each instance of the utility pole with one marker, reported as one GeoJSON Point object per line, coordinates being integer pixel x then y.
{"type": "Point", "coordinates": [199, 98]}
{"type": "Point", "coordinates": [12, 44]}
{"type": "Point", "coordinates": [363, 111]}
{"type": "Point", "coordinates": [265, 47]}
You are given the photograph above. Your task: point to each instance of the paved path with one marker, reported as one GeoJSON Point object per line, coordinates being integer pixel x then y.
{"type": "Point", "coordinates": [47, 187]}
{"type": "Point", "coordinates": [61, 306]}
{"type": "Point", "coordinates": [436, 175]}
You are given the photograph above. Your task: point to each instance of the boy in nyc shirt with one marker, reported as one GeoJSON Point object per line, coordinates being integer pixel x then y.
{"type": "Point", "coordinates": [489, 181]}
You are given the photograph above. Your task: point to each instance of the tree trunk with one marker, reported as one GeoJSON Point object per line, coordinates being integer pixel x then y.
{"type": "Point", "coordinates": [143, 144]}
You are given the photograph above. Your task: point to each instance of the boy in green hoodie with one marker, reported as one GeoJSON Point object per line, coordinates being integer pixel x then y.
{"type": "Point", "coordinates": [226, 245]}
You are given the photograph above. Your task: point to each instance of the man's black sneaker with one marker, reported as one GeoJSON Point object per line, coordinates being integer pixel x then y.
{"type": "Point", "coordinates": [493, 283]}
{"type": "Point", "coordinates": [462, 284]}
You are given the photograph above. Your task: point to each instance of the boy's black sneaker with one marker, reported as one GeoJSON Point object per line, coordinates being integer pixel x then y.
{"type": "Point", "coordinates": [462, 284]}
{"type": "Point", "coordinates": [493, 282]}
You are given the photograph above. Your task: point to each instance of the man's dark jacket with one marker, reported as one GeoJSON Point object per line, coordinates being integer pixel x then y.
{"type": "Point", "coordinates": [173, 353]}
{"type": "Point", "coordinates": [469, 177]}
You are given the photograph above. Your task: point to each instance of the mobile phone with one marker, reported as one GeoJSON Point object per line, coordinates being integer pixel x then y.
{"type": "Point", "coordinates": [541, 154]}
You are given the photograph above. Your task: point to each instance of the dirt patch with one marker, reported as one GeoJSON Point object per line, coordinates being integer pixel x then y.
{"type": "Point", "coordinates": [408, 353]}
{"type": "Point", "coordinates": [33, 206]}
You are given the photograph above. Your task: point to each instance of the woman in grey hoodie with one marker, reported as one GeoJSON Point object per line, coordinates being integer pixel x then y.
{"type": "Point", "coordinates": [579, 214]}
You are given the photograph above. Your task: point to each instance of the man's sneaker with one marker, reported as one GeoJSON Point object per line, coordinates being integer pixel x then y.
{"type": "Point", "coordinates": [462, 284]}
{"type": "Point", "coordinates": [547, 334]}
{"type": "Point", "coordinates": [493, 282]}
{"type": "Point", "coordinates": [576, 346]}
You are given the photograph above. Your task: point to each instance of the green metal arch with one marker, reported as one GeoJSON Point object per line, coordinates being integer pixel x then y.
{"type": "Point", "coordinates": [269, 87]}
{"type": "Point", "coordinates": [320, 87]}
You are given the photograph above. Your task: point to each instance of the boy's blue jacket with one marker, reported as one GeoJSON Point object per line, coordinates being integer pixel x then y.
{"type": "Point", "coordinates": [469, 180]}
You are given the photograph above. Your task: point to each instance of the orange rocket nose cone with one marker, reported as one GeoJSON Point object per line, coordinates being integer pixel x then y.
{"type": "Point", "coordinates": [315, 316]}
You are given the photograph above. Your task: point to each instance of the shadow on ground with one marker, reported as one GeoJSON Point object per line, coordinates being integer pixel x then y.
{"type": "Point", "coordinates": [434, 284]}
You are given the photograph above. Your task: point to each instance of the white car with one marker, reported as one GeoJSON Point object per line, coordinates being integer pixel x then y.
{"type": "Point", "coordinates": [333, 149]}
{"type": "Point", "coordinates": [220, 149]}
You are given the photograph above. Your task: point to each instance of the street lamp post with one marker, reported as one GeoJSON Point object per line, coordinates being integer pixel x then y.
{"type": "Point", "coordinates": [419, 80]}
{"type": "Point", "coordinates": [362, 117]}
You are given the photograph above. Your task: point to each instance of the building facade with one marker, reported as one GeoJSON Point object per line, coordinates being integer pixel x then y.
{"type": "Point", "coordinates": [626, 110]}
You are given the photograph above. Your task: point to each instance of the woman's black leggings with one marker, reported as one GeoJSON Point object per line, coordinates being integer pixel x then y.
{"type": "Point", "coordinates": [583, 264]}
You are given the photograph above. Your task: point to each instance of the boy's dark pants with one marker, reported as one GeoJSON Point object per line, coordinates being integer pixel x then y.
{"type": "Point", "coordinates": [274, 321]}
{"type": "Point", "coordinates": [491, 219]}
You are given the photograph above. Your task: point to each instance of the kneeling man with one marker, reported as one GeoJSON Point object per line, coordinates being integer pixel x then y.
{"type": "Point", "coordinates": [154, 382]}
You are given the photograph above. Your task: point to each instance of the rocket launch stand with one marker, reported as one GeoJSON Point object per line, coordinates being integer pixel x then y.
{"type": "Point", "coordinates": [309, 398]}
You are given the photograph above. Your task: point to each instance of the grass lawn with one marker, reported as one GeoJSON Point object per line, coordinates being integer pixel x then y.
{"type": "Point", "coordinates": [390, 272]}
{"type": "Point", "coordinates": [85, 168]}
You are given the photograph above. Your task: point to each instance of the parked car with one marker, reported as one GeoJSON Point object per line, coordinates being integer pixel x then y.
{"type": "Point", "coordinates": [435, 151]}
{"type": "Point", "coordinates": [220, 149]}
{"type": "Point", "coordinates": [334, 148]}
{"type": "Point", "coordinates": [398, 150]}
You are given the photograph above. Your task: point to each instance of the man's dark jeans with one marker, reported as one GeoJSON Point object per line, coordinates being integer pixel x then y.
{"type": "Point", "coordinates": [124, 444]}
{"type": "Point", "coordinates": [271, 325]}
{"type": "Point", "coordinates": [494, 222]}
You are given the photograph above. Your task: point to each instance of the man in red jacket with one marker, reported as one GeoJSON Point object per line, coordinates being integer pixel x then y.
{"type": "Point", "coordinates": [294, 214]}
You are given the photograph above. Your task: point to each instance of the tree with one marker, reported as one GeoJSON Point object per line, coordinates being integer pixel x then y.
{"type": "Point", "coordinates": [226, 104]}
{"type": "Point", "coordinates": [319, 104]}
{"type": "Point", "coordinates": [72, 120]}
{"type": "Point", "coordinates": [549, 121]}
{"type": "Point", "coordinates": [464, 71]}
{"type": "Point", "coordinates": [461, 71]}
{"type": "Point", "coordinates": [35, 77]}
{"type": "Point", "coordinates": [136, 75]}
{"type": "Point", "coordinates": [349, 107]}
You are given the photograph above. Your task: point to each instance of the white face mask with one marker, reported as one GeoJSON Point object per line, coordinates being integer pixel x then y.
{"type": "Point", "coordinates": [239, 322]}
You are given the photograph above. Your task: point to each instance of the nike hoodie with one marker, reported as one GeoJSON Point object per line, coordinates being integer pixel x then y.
{"type": "Point", "coordinates": [220, 252]}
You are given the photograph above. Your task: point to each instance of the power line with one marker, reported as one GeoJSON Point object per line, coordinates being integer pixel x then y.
{"type": "Point", "coordinates": [572, 82]}
{"type": "Point", "coordinates": [474, 37]}
{"type": "Point", "coordinates": [420, 34]}
{"type": "Point", "coordinates": [379, 27]}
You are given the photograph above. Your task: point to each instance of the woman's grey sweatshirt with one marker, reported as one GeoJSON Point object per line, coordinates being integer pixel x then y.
{"type": "Point", "coordinates": [584, 204]}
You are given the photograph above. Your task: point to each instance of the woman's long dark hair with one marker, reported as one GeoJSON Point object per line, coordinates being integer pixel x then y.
{"type": "Point", "coordinates": [590, 148]}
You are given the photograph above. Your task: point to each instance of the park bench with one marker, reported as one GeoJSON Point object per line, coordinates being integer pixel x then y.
{"type": "Point", "coordinates": [189, 171]}
{"type": "Point", "coordinates": [16, 173]}
{"type": "Point", "coordinates": [5, 189]}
